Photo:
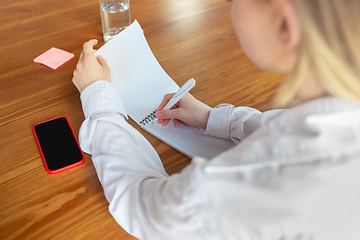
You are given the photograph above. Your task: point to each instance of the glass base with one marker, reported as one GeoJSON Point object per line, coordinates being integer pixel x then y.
{"type": "Point", "coordinates": [109, 36]}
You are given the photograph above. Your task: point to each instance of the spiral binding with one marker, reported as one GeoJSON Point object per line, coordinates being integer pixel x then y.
{"type": "Point", "coordinates": [149, 118]}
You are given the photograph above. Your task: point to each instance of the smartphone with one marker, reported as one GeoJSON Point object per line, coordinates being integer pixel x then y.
{"type": "Point", "coordinates": [58, 145]}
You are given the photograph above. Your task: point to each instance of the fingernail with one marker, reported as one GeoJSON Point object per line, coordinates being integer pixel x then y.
{"type": "Point", "coordinates": [158, 115]}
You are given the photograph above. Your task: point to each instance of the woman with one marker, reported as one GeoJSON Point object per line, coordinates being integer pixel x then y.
{"type": "Point", "coordinates": [293, 175]}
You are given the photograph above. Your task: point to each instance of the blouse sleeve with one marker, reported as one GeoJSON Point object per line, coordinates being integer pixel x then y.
{"type": "Point", "coordinates": [142, 198]}
{"type": "Point", "coordinates": [226, 121]}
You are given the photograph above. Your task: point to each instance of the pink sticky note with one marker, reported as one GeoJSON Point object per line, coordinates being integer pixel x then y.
{"type": "Point", "coordinates": [54, 57]}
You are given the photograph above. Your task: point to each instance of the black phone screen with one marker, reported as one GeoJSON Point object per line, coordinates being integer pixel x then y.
{"type": "Point", "coordinates": [58, 144]}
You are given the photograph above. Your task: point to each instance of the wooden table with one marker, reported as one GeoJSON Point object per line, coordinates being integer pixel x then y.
{"type": "Point", "coordinates": [189, 38]}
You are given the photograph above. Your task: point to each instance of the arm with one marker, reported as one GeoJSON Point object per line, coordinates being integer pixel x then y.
{"type": "Point", "coordinates": [142, 198]}
{"type": "Point", "coordinates": [223, 121]}
{"type": "Point", "coordinates": [226, 121]}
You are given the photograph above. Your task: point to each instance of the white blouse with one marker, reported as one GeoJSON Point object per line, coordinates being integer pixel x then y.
{"type": "Point", "coordinates": [294, 174]}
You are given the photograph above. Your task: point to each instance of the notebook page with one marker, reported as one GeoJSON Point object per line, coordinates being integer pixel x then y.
{"type": "Point", "coordinates": [138, 77]}
{"type": "Point", "coordinates": [189, 140]}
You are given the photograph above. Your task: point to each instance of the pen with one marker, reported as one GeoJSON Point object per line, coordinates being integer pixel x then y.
{"type": "Point", "coordinates": [180, 93]}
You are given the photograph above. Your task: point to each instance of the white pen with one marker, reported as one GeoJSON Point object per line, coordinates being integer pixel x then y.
{"type": "Point", "coordinates": [180, 93]}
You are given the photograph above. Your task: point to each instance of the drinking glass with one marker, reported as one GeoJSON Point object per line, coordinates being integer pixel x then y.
{"type": "Point", "coordinates": [115, 17]}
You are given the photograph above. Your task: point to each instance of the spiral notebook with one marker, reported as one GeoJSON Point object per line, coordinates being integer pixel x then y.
{"type": "Point", "coordinates": [142, 83]}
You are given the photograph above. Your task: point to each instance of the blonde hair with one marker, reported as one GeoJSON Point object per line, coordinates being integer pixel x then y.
{"type": "Point", "coordinates": [329, 48]}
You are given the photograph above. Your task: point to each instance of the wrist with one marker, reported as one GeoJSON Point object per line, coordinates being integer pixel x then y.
{"type": "Point", "coordinates": [203, 117]}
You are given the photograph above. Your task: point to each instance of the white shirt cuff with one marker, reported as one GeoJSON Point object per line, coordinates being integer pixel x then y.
{"type": "Point", "coordinates": [218, 122]}
{"type": "Point", "coordinates": [100, 97]}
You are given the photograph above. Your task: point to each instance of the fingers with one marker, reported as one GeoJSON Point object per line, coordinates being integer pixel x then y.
{"type": "Point", "coordinates": [176, 123]}
{"type": "Point", "coordinates": [165, 100]}
{"type": "Point", "coordinates": [170, 113]}
{"type": "Point", "coordinates": [165, 122]}
{"type": "Point", "coordinates": [106, 75]}
{"type": "Point", "coordinates": [166, 115]}
{"type": "Point", "coordinates": [81, 56]}
{"type": "Point", "coordinates": [102, 61]}
{"type": "Point", "coordinates": [88, 47]}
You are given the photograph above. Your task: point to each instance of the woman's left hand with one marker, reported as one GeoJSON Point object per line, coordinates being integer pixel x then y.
{"type": "Point", "coordinates": [90, 68]}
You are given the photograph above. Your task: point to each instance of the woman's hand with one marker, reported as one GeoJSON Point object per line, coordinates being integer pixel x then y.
{"type": "Point", "coordinates": [187, 110]}
{"type": "Point", "coordinates": [90, 68]}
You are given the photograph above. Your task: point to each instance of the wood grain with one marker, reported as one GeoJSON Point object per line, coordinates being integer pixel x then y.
{"type": "Point", "coordinates": [189, 38]}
